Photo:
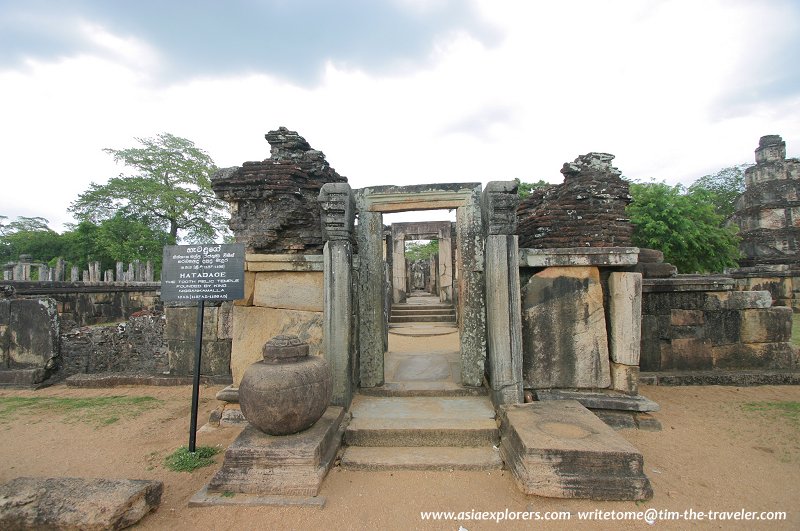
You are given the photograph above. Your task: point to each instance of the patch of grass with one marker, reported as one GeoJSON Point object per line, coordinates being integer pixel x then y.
{"type": "Point", "coordinates": [787, 410]}
{"type": "Point", "coordinates": [182, 460]}
{"type": "Point", "coordinates": [228, 494]}
{"type": "Point", "coordinates": [99, 410]}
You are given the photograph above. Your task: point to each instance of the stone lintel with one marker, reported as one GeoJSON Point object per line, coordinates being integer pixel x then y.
{"type": "Point", "coordinates": [600, 399]}
{"type": "Point", "coordinates": [579, 256]}
{"type": "Point", "coordinates": [283, 262]}
{"type": "Point", "coordinates": [688, 283]}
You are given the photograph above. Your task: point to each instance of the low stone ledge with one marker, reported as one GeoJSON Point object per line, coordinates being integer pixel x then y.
{"type": "Point", "coordinates": [579, 256]}
{"type": "Point", "coordinates": [688, 283]}
{"type": "Point", "coordinates": [599, 399]}
{"type": "Point", "coordinates": [283, 262]}
{"type": "Point", "coordinates": [22, 377]}
{"type": "Point", "coordinates": [76, 503]}
{"type": "Point", "coordinates": [103, 380]}
{"type": "Point", "coordinates": [732, 378]}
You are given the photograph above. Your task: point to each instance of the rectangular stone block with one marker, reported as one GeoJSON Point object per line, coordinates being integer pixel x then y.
{"type": "Point", "coordinates": [687, 354]}
{"type": "Point", "coordinates": [181, 323]}
{"type": "Point", "coordinates": [215, 360]}
{"type": "Point", "coordinates": [249, 289]}
{"type": "Point", "coordinates": [625, 378]}
{"type": "Point", "coordinates": [289, 290]}
{"type": "Point", "coordinates": [755, 356]}
{"type": "Point", "coordinates": [253, 326]}
{"type": "Point", "coordinates": [225, 321]}
{"type": "Point", "coordinates": [723, 327]}
{"type": "Point", "coordinates": [737, 300]}
{"type": "Point", "coordinates": [768, 325]}
{"type": "Point", "coordinates": [564, 330]}
{"type": "Point", "coordinates": [560, 449]}
{"type": "Point", "coordinates": [625, 317]}
{"type": "Point", "coordinates": [686, 317]}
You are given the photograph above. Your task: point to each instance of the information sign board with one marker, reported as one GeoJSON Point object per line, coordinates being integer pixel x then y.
{"type": "Point", "coordinates": [212, 272]}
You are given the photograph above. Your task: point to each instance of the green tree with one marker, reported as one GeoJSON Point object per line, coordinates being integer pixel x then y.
{"type": "Point", "coordinates": [29, 235]}
{"type": "Point", "coordinates": [417, 250]}
{"type": "Point", "coordinates": [722, 189]}
{"type": "Point", "coordinates": [170, 191]}
{"type": "Point", "coordinates": [684, 225]}
{"type": "Point", "coordinates": [524, 189]}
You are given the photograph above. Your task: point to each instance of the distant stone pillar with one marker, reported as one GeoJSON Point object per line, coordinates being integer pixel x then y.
{"type": "Point", "coordinates": [503, 306]}
{"type": "Point", "coordinates": [148, 271]}
{"type": "Point", "coordinates": [120, 272]}
{"type": "Point", "coordinates": [338, 216]}
{"type": "Point", "coordinates": [23, 270]}
{"type": "Point", "coordinates": [445, 266]}
{"type": "Point", "coordinates": [58, 276]}
{"type": "Point", "coordinates": [74, 274]}
{"type": "Point", "coordinates": [399, 266]}
{"type": "Point", "coordinates": [44, 273]}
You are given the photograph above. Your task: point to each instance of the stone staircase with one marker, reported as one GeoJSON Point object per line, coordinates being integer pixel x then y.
{"type": "Point", "coordinates": [427, 312]}
{"type": "Point", "coordinates": [422, 433]}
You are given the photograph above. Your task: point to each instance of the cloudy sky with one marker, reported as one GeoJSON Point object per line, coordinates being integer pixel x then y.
{"type": "Point", "coordinates": [394, 91]}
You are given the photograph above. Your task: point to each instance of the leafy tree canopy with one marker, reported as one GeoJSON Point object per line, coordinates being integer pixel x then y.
{"type": "Point", "coordinates": [722, 189]}
{"type": "Point", "coordinates": [31, 236]}
{"type": "Point", "coordinates": [170, 190]}
{"type": "Point", "coordinates": [418, 250]}
{"type": "Point", "coordinates": [684, 225]}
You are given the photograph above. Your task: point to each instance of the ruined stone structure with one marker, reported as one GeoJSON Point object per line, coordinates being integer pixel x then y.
{"type": "Point", "coordinates": [768, 212]}
{"type": "Point", "coordinates": [274, 206]}
{"type": "Point", "coordinates": [586, 210]}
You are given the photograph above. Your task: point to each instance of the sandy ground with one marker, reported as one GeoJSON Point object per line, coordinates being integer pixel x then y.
{"type": "Point", "coordinates": [713, 454]}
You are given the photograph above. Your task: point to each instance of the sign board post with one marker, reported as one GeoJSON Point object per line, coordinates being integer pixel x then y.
{"type": "Point", "coordinates": [199, 273]}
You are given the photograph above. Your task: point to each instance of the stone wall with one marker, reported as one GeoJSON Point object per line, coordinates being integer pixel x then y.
{"type": "Point", "coordinates": [274, 207]}
{"type": "Point", "coordinates": [180, 329]}
{"type": "Point", "coordinates": [134, 346]}
{"type": "Point", "coordinates": [29, 330]}
{"type": "Point", "coordinates": [701, 323]}
{"type": "Point", "coordinates": [587, 210]}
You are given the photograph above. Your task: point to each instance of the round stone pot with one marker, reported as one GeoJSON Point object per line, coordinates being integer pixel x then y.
{"type": "Point", "coordinates": [288, 391]}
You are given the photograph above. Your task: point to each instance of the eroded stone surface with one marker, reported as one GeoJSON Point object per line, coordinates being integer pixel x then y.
{"type": "Point", "coordinates": [76, 503]}
{"type": "Point", "coordinates": [560, 449]}
{"type": "Point", "coordinates": [564, 329]}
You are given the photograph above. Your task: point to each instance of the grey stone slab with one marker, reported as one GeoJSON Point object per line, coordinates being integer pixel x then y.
{"type": "Point", "coordinates": [204, 498]}
{"type": "Point", "coordinates": [562, 450]}
{"type": "Point", "coordinates": [423, 367]}
{"type": "Point", "coordinates": [688, 283]}
{"type": "Point", "coordinates": [625, 317]}
{"type": "Point", "coordinates": [579, 256]}
{"type": "Point", "coordinates": [290, 465]}
{"type": "Point", "coordinates": [76, 503]}
{"type": "Point", "coordinates": [720, 377]}
{"type": "Point", "coordinates": [599, 399]}
{"type": "Point", "coordinates": [416, 458]}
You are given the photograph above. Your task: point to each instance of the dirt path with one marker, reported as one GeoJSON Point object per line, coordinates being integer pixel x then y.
{"type": "Point", "coordinates": [713, 454]}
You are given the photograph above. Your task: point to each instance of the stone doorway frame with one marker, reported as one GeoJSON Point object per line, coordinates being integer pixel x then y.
{"type": "Point", "coordinates": [422, 230]}
{"type": "Point", "coordinates": [371, 204]}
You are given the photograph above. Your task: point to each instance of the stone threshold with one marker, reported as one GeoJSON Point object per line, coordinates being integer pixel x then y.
{"type": "Point", "coordinates": [733, 378]}
{"type": "Point", "coordinates": [599, 399]}
{"type": "Point", "coordinates": [204, 498]}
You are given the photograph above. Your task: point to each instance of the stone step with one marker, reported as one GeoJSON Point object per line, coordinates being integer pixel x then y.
{"type": "Point", "coordinates": [422, 421]}
{"type": "Point", "coordinates": [423, 311]}
{"type": "Point", "coordinates": [421, 458]}
{"type": "Point", "coordinates": [422, 319]}
{"type": "Point", "coordinates": [425, 389]}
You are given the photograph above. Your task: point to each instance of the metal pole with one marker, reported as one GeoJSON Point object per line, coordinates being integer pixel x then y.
{"type": "Point", "coordinates": [198, 349]}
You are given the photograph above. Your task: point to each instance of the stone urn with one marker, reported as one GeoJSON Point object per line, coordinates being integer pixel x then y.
{"type": "Point", "coordinates": [288, 391]}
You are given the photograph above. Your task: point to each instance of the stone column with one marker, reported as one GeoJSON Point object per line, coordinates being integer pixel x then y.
{"type": "Point", "coordinates": [399, 273]}
{"type": "Point", "coordinates": [372, 325]}
{"type": "Point", "coordinates": [338, 215]}
{"type": "Point", "coordinates": [471, 301]}
{"type": "Point", "coordinates": [445, 266]}
{"type": "Point", "coordinates": [625, 329]}
{"type": "Point", "coordinates": [503, 306]}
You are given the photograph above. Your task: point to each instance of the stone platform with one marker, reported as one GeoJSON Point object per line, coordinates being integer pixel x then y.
{"type": "Point", "coordinates": [560, 449]}
{"type": "Point", "coordinates": [281, 470]}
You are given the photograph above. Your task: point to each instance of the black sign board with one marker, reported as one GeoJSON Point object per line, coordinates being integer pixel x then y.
{"type": "Point", "coordinates": [212, 272]}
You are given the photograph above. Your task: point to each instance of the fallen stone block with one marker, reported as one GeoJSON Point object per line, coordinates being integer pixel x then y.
{"type": "Point", "coordinates": [76, 503]}
{"type": "Point", "coordinates": [560, 449]}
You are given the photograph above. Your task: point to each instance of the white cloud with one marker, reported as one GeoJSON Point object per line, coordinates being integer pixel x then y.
{"type": "Point", "coordinates": [646, 81]}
